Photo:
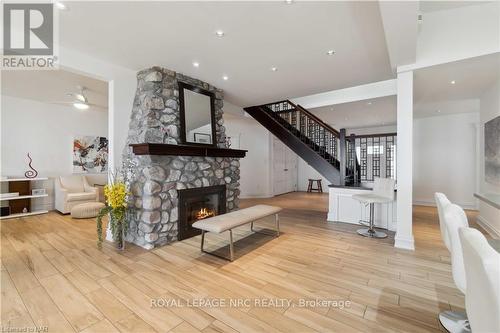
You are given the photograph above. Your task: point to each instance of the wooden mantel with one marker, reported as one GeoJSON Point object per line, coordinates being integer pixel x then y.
{"type": "Point", "coordinates": [185, 150]}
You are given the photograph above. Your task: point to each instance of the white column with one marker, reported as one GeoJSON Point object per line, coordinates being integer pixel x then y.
{"type": "Point", "coordinates": [404, 233]}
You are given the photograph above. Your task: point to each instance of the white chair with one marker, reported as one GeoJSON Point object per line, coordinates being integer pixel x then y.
{"type": "Point", "coordinates": [455, 218]}
{"type": "Point", "coordinates": [482, 270]}
{"type": "Point", "coordinates": [73, 190]}
{"type": "Point", "coordinates": [383, 192]}
{"type": "Point", "coordinates": [441, 202]}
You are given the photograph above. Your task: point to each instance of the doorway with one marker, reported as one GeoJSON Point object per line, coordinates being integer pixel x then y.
{"type": "Point", "coordinates": [284, 168]}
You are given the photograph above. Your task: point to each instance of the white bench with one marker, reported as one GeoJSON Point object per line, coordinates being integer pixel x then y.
{"type": "Point", "coordinates": [229, 221]}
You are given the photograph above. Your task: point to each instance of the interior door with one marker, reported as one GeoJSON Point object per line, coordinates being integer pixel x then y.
{"type": "Point", "coordinates": [284, 168]}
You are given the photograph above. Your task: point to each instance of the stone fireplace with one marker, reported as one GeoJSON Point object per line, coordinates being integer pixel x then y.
{"type": "Point", "coordinates": [161, 172]}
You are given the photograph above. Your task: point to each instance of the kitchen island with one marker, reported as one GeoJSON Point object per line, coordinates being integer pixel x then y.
{"type": "Point", "coordinates": [343, 208]}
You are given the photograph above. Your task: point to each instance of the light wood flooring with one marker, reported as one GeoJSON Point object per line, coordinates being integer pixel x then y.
{"type": "Point", "coordinates": [52, 275]}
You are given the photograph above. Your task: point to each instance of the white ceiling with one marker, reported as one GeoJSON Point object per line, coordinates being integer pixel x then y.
{"type": "Point", "coordinates": [434, 91]}
{"type": "Point", "coordinates": [381, 112]}
{"type": "Point", "coordinates": [52, 86]}
{"type": "Point", "coordinates": [259, 35]}
{"type": "Point", "coordinates": [434, 95]}
{"type": "Point", "coordinates": [434, 6]}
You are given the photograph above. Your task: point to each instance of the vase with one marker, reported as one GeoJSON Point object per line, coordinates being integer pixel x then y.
{"type": "Point", "coordinates": [120, 238]}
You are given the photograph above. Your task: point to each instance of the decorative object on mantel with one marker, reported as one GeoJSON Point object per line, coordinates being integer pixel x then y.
{"type": "Point", "coordinates": [492, 151]}
{"type": "Point", "coordinates": [228, 142]}
{"type": "Point", "coordinates": [30, 173]}
{"type": "Point", "coordinates": [116, 208]}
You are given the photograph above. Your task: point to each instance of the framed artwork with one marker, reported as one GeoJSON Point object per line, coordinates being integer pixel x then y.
{"type": "Point", "coordinates": [202, 138]}
{"type": "Point", "coordinates": [492, 151]}
{"type": "Point", "coordinates": [90, 154]}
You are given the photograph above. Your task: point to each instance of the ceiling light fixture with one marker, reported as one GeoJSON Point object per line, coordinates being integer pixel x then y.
{"type": "Point", "coordinates": [288, 2]}
{"type": "Point", "coordinates": [60, 5]}
{"type": "Point", "coordinates": [219, 33]}
{"type": "Point", "coordinates": [453, 82]}
{"type": "Point", "coordinates": [369, 103]}
{"type": "Point", "coordinates": [330, 52]}
{"type": "Point", "coordinates": [274, 69]}
{"type": "Point", "coordinates": [196, 64]}
{"type": "Point", "coordinates": [81, 106]}
{"type": "Point", "coordinates": [438, 111]}
{"type": "Point", "coordinates": [225, 78]}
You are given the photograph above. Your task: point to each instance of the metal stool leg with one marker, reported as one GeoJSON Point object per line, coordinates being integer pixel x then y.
{"type": "Point", "coordinates": [455, 322]}
{"type": "Point", "coordinates": [370, 231]}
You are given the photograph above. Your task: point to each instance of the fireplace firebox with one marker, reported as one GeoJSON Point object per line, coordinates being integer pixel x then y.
{"type": "Point", "coordinates": [199, 203]}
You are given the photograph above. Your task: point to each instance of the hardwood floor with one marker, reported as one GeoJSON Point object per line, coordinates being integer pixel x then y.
{"type": "Point", "coordinates": [52, 275]}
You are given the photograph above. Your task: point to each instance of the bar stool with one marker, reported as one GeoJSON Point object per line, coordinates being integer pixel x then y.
{"type": "Point", "coordinates": [455, 219]}
{"type": "Point", "coordinates": [318, 187]}
{"type": "Point", "coordinates": [482, 271]}
{"type": "Point", "coordinates": [383, 192]}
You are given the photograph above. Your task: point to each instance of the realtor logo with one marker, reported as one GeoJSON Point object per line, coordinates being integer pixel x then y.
{"type": "Point", "coordinates": [28, 36]}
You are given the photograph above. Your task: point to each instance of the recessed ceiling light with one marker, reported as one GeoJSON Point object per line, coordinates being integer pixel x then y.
{"type": "Point", "coordinates": [225, 78]}
{"type": "Point", "coordinates": [330, 52]}
{"type": "Point", "coordinates": [60, 5]}
{"type": "Point", "coordinates": [288, 2]}
{"type": "Point", "coordinates": [369, 103]}
{"type": "Point", "coordinates": [438, 111]}
{"type": "Point", "coordinates": [274, 69]}
{"type": "Point", "coordinates": [196, 64]}
{"type": "Point", "coordinates": [219, 33]}
{"type": "Point", "coordinates": [81, 106]}
{"type": "Point", "coordinates": [453, 82]}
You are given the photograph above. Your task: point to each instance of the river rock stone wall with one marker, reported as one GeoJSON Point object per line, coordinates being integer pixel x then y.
{"type": "Point", "coordinates": [154, 180]}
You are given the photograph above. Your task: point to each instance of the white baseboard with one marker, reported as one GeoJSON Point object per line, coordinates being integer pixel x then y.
{"type": "Point", "coordinates": [255, 196]}
{"type": "Point", "coordinates": [483, 223]}
{"type": "Point", "coordinates": [469, 206]}
{"type": "Point", "coordinates": [404, 243]}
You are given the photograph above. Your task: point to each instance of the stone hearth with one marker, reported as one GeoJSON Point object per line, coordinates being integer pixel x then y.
{"type": "Point", "coordinates": [154, 180]}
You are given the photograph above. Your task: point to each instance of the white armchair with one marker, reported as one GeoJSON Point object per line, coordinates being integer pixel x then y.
{"type": "Point", "coordinates": [73, 190]}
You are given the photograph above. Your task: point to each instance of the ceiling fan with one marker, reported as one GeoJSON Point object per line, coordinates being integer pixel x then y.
{"type": "Point", "coordinates": [80, 100]}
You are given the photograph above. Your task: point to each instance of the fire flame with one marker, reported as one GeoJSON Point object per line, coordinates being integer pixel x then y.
{"type": "Point", "coordinates": [204, 213]}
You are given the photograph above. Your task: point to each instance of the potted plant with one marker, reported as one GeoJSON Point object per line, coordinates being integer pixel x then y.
{"type": "Point", "coordinates": [116, 207]}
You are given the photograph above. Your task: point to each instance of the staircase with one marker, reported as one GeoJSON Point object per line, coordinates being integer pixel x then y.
{"type": "Point", "coordinates": [316, 142]}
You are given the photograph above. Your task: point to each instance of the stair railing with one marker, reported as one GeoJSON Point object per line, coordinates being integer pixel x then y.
{"type": "Point", "coordinates": [309, 128]}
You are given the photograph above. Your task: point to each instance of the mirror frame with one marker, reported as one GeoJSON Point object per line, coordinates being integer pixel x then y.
{"type": "Point", "coordinates": [182, 112]}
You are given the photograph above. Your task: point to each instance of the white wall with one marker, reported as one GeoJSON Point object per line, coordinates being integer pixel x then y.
{"type": "Point", "coordinates": [444, 158]}
{"type": "Point", "coordinates": [372, 130]}
{"type": "Point", "coordinates": [247, 133]}
{"type": "Point", "coordinates": [459, 33]}
{"type": "Point", "coordinates": [489, 217]}
{"type": "Point", "coordinates": [121, 91]}
{"type": "Point", "coordinates": [305, 171]}
{"type": "Point", "coordinates": [46, 131]}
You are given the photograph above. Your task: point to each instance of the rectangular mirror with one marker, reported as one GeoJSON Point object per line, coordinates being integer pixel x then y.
{"type": "Point", "coordinates": [197, 115]}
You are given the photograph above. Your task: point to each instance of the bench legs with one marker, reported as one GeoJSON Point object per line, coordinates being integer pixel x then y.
{"type": "Point", "coordinates": [276, 221]}
{"type": "Point", "coordinates": [231, 246]}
